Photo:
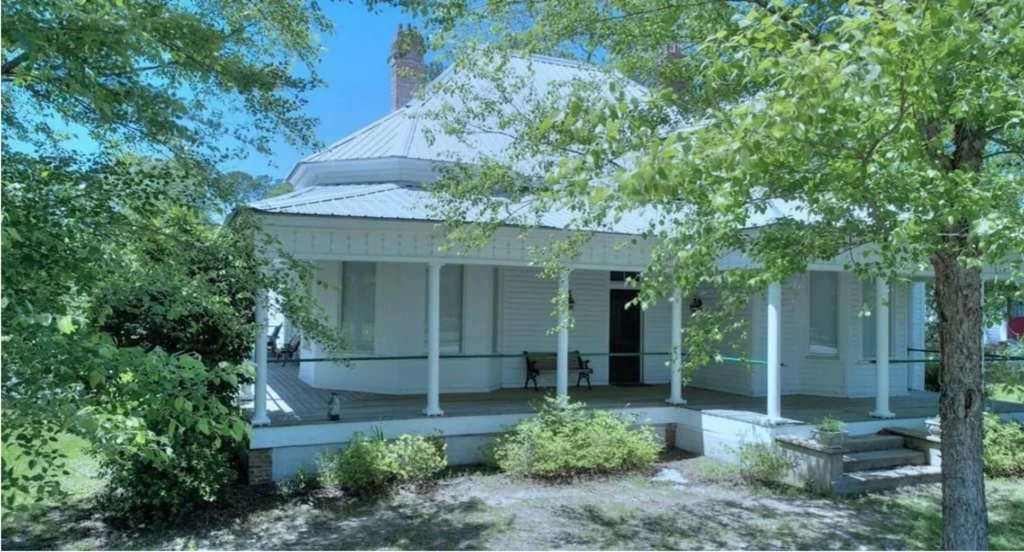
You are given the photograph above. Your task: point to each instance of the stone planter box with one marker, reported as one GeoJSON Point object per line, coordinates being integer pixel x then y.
{"type": "Point", "coordinates": [830, 439]}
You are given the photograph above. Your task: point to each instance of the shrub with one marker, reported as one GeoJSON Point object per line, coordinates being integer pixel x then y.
{"type": "Point", "coordinates": [301, 481]}
{"type": "Point", "coordinates": [831, 425]}
{"type": "Point", "coordinates": [762, 464]}
{"type": "Point", "coordinates": [373, 466]}
{"type": "Point", "coordinates": [566, 439]}
{"type": "Point", "coordinates": [1004, 447]}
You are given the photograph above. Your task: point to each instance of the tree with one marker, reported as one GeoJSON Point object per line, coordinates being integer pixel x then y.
{"type": "Point", "coordinates": [243, 188]}
{"type": "Point", "coordinates": [162, 91]}
{"type": "Point", "coordinates": [890, 133]}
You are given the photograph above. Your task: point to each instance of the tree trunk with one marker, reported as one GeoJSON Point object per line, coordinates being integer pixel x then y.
{"type": "Point", "coordinates": [958, 303]}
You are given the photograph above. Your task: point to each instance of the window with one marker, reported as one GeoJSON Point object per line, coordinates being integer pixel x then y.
{"type": "Point", "coordinates": [623, 276]}
{"type": "Point", "coordinates": [868, 320]}
{"type": "Point", "coordinates": [451, 309]}
{"type": "Point", "coordinates": [358, 305]}
{"type": "Point", "coordinates": [824, 314]}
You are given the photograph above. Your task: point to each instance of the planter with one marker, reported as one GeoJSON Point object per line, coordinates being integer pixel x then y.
{"type": "Point", "coordinates": [830, 439]}
{"type": "Point", "coordinates": [934, 426]}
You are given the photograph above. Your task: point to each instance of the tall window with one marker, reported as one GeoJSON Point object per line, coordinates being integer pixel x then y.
{"type": "Point", "coordinates": [824, 313]}
{"type": "Point", "coordinates": [868, 327]}
{"type": "Point", "coordinates": [359, 305]}
{"type": "Point", "coordinates": [451, 309]}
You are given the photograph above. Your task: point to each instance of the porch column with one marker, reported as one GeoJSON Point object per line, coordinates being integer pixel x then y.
{"type": "Point", "coordinates": [562, 372]}
{"type": "Point", "coordinates": [259, 411]}
{"type": "Point", "coordinates": [676, 391]}
{"type": "Point", "coordinates": [433, 340]}
{"type": "Point", "coordinates": [882, 350]}
{"type": "Point", "coordinates": [774, 353]}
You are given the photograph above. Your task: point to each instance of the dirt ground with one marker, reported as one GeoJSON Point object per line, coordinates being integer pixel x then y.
{"type": "Point", "coordinates": [677, 507]}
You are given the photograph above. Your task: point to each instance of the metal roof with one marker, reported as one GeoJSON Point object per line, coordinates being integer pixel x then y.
{"type": "Point", "coordinates": [397, 201]}
{"type": "Point", "coordinates": [403, 133]}
{"type": "Point", "coordinates": [405, 201]}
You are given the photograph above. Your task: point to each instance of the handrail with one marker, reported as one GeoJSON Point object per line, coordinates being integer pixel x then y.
{"type": "Point", "coordinates": [492, 355]}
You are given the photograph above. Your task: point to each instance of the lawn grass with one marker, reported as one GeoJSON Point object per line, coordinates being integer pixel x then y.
{"type": "Point", "coordinates": [916, 514]}
{"type": "Point", "coordinates": [83, 480]}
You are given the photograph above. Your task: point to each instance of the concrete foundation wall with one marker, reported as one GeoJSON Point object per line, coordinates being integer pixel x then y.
{"type": "Point", "coordinates": [462, 450]}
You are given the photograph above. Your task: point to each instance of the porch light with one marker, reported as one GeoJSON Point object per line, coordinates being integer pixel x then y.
{"type": "Point", "coordinates": [696, 304]}
{"type": "Point", "coordinates": [572, 302]}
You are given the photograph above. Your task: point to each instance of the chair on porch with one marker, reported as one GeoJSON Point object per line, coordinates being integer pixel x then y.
{"type": "Point", "coordinates": [548, 362]}
{"type": "Point", "coordinates": [291, 349]}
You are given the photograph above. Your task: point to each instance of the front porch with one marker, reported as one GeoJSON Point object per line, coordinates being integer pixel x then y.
{"type": "Point", "coordinates": [292, 402]}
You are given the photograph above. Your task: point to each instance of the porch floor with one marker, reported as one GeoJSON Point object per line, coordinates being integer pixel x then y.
{"type": "Point", "coordinates": [290, 401]}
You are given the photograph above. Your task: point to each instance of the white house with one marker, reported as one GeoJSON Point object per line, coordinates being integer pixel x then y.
{"type": "Point", "coordinates": [439, 337]}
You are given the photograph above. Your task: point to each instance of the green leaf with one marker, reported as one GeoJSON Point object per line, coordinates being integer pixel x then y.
{"type": "Point", "coordinates": [65, 325]}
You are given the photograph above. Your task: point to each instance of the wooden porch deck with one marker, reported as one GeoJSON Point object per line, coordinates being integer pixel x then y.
{"type": "Point", "coordinates": [290, 401]}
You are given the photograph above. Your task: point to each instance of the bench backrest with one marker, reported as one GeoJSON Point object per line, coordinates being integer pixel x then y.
{"type": "Point", "coordinates": [548, 362]}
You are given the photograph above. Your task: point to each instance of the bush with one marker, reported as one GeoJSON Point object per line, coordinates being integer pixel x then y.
{"type": "Point", "coordinates": [762, 464]}
{"type": "Point", "coordinates": [374, 466]}
{"type": "Point", "coordinates": [566, 439]}
{"type": "Point", "coordinates": [1004, 447]}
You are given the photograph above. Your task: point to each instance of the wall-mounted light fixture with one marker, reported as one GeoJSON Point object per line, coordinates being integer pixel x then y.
{"type": "Point", "coordinates": [696, 304]}
{"type": "Point", "coordinates": [572, 302]}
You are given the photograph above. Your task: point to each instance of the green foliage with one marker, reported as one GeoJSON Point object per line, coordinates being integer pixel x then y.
{"type": "Point", "coordinates": [566, 439]}
{"type": "Point", "coordinates": [830, 424]}
{"type": "Point", "coordinates": [108, 279]}
{"type": "Point", "coordinates": [762, 464]}
{"type": "Point", "coordinates": [302, 481]}
{"type": "Point", "coordinates": [1004, 447]}
{"type": "Point", "coordinates": [374, 466]}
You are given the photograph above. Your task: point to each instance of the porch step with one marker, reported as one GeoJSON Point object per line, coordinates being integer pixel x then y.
{"type": "Point", "coordinates": [867, 443]}
{"type": "Point", "coordinates": [883, 459]}
{"type": "Point", "coordinates": [870, 481]}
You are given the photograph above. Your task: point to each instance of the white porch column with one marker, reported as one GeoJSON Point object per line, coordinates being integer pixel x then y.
{"type": "Point", "coordinates": [433, 340]}
{"type": "Point", "coordinates": [774, 353]}
{"type": "Point", "coordinates": [259, 411]}
{"type": "Point", "coordinates": [882, 350]}
{"type": "Point", "coordinates": [562, 372]}
{"type": "Point", "coordinates": [676, 388]}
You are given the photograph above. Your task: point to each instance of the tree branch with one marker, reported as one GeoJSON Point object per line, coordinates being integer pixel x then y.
{"type": "Point", "coordinates": [11, 65]}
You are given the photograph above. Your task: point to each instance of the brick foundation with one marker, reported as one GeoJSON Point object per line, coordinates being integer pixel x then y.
{"type": "Point", "coordinates": [260, 466]}
{"type": "Point", "coordinates": [670, 436]}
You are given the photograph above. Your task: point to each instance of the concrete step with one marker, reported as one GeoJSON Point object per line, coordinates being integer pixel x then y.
{"type": "Point", "coordinates": [883, 459]}
{"type": "Point", "coordinates": [866, 443]}
{"type": "Point", "coordinates": [871, 481]}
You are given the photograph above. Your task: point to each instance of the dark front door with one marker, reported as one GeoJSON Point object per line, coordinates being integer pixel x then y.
{"type": "Point", "coordinates": [624, 337]}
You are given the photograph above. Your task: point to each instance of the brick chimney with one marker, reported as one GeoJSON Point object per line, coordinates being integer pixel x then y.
{"type": "Point", "coordinates": [407, 66]}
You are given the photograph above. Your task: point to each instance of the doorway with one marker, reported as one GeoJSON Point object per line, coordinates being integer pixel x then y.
{"type": "Point", "coordinates": [624, 337]}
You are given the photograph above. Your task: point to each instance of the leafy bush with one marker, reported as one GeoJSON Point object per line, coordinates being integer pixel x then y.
{"type": "Point", "coordinates": [831, 425]}
{"type": "Point", "coordinates": [373, 466]}
{"type": "Point", "coordinates": [301, 481]}
{"type": "Point", "coordinates": [1004, 447]}
{"type": "Point", "coordinates": [566, 439]}
{"type": "Point", "coordinates": [762, 464]}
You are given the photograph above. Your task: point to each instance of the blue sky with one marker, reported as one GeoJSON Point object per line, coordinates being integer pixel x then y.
{"type": "Point", "coordinates": [358, 92]}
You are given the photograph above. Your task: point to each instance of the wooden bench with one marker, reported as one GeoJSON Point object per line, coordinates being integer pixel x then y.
{"type": "Point", "coordinates": [548, 362]}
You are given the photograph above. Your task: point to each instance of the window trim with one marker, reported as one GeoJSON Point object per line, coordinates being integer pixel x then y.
{"type": "Point", "coordinates": [341, 310]}
{"type": "Point", "coordinates": [892, 321]}
{"type": "Point", "coordinates": [837, 314]}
